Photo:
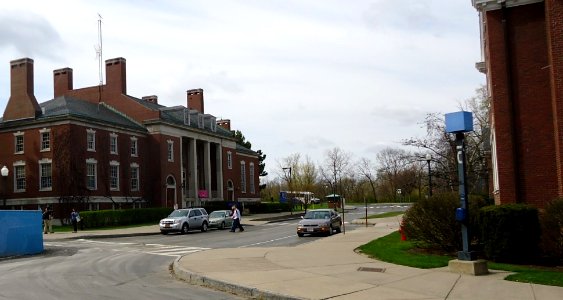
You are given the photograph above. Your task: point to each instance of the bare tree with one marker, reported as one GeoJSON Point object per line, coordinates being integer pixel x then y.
{"type": "Point", "coordinates": [367, 169]}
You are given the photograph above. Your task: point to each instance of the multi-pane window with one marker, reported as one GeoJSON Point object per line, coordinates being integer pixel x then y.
{"type": "Point", "coordinates": [114, 176]}
{"type": "Point", "coordinates": [242, 177]}
{"type": "Point", "coordinates": [134, 145]}
{"type": "Point", "coordinates": [19, 171]}
{"type": "Point", "coordinates": [91, 140]}
{"type": "Point", "coordinates": [229, 160]}
{"type": "Point", "coordinates": [45, 181]}
{"type": "Point", "coordinates": [45, 142]}
{"type": "Point", "coordinates": [113, 143]}
{"type": "Point", "coordinates": [134, 177]}
{"type": "Point", "coordinates": [19, 143]}
{"type": "Point", "coordinates": [91, 172]}
{"type": "Point", "coordinates": [170, 150]}
{"type": "Point", "coordinates": [251, 183]}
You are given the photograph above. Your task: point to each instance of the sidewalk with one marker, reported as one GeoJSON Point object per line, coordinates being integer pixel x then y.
{"type": "Point", "coordinates": [329, 268]}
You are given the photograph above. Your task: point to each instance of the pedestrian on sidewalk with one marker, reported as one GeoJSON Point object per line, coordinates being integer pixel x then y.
{"type": "Point", "coordinates": [74, 219]}
{"type": "Point", "coordinates": [236, 220]}
{"type": "Point", "coordinates": [47, 217]}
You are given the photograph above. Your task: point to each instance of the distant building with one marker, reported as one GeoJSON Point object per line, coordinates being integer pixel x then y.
{"type": "Point", "coordinates": [99, 148]}
{"type": "Point", "coordinates": [522, 43]}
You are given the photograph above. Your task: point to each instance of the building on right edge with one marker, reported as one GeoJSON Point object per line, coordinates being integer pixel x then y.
{"type": "Point", "coordinates": [522, 47]}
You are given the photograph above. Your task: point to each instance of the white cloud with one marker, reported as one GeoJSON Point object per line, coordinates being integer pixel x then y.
{"type": "Point", "coordinates": [293, 76]}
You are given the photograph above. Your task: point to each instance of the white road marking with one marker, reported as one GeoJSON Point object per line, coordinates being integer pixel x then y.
{"type": "Point", "coordinates": [265, 242]}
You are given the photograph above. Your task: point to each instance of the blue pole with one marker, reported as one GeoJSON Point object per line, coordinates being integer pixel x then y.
{"type": "Point", "coordinates": [463, 212]}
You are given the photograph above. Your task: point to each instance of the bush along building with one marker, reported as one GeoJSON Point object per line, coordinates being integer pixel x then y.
{"type": "Point", "coordinates": [522, 47]}
{"type": "Point", "coordinates": [100, 148]}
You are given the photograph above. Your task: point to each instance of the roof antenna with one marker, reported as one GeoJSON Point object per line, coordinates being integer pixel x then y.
{"type": "Point", "coordinates": [99, 56]}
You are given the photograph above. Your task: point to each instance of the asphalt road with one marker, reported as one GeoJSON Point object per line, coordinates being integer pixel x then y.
{"type": "Point", "coordinates": [137, 267]}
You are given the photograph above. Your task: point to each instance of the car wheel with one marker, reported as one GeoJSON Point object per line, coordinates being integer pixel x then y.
{"type": "Point", "coordinates": [184, 229]}
{"type": "Point", "coordinates": [330, 231]}
{"type": "Point", "coordinates": [222, 226]}
{"type": "Point", "coordinates": [164, 232]}
{"type": "Point", "coordinates": [339, 229]}
{"type": "Point", "coordinates": [300, 234]}
{"type": "Point", "coordinates": [204, 227]}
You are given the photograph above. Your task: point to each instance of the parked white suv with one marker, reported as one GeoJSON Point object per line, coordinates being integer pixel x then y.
{"type": "Point", "coordinates": [183, 220]}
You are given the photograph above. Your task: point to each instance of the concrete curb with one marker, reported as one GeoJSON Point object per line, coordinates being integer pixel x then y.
{"type": "Point", "coordinates": [239, 290]}
{"type": "Point", "coordinates": [100, 236]}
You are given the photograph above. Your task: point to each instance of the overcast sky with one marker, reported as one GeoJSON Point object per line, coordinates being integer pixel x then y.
{"type": "Point", "coordinates": [294, 76]}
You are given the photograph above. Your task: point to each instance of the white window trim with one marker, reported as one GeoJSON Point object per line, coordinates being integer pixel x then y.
{"type": "Point", "coordinates": [134, 141]}
{"type": "Point", "coordinates": [136, 165]}
{"type": "Point", "coordinates": [243, 177]}
{"type": "Point", "coordinates": [45, 161]}
{"type": "Point", "coordinates": [229, 160]}
{"type": "Point", "coordinates": [41, 132]}
{"type": "Point", "coordinates": [16, 135]}
{"type": "Point", "coordinates": [170, 150]}
{"type": "Point", "coordinates": [251, 180]}
{"type": "Point", "coordinates": [93, 133]}
{"type": "Point", "coordinates": [114, 163]}
{"type": "Point", "coordinates": [19, 163]}
{"type": "Point", "coordinates": [200, 122]}
{"type": "Point", "coordinates": [111, 137]}
{"type": "Point", "coordinates": [95, 163]}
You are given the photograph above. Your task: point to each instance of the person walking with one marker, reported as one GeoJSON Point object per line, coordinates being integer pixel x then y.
{"type": "Point", "coordinates": [236, 220]}
{"type": "Point", "coordinates": [47, 217]}
{"type": "Point", "coordinates": [74, 219]}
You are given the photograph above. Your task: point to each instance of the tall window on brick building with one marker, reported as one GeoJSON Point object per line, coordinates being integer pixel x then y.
{"type": "Point", "coordinates": [45, 139]}
{"type": "Point", "coordinates": [242, 177]}
{"type": "Point", "coordinates": [45, 176]}
{"type": "Point", "coordinates": [113, 143]}
{"type": "Point", "coordinates": [91, 140]}
{"type": "Point", "coordinates": [134, 145]}
{"type": "Point", "coordinates": [251, 183]}
{"type": "Point", "coordinates": [134, 177]}
{"type": "Point", "coordinates": [91, 174]}
{"type": "Point", "coordinates": [229, 160]}
{"type": "Point", "coordinates": [18, 140]}
{"type": "Point", "coordinates": [19, 178]}
{"type": "Point", "coordinates": [170, 150]}
{"type": "Point", "coordinates": [114, 176]}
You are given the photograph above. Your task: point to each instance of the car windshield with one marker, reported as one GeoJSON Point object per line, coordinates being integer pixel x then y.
{"type": "Point", "coordinates": [178, 213]}
{"type": "Point", "coordinates": [217, 214]}
{"type": "Point", "coordinates": [317, 215]}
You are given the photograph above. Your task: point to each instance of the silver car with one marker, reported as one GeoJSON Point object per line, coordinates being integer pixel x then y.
{"type": "Point", "coordinates": [183, 220]}
{"type": "Point", "coordinates": [220, 219]}
{"type": "Point", "coordinates": [319, 221]}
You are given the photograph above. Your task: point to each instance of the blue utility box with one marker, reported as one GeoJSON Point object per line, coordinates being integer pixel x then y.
{"type": "Point", "coordinates": [461, 121]}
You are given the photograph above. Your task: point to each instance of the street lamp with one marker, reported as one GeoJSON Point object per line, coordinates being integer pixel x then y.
{"type": "Point", "coordinates": [4, 172]}
{"type": "Point", "coordinates": [428, 160]}
{"type": "Point", "coordinates": [289, 187]}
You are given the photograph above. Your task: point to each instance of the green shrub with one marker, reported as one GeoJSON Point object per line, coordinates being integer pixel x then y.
{"type": "Point", "coordinates": [103, 218]}
{"type": "Point", "coordinates": [552, 232]}
{"type": "Point", "coordinates": [432, 221]}
{"type": "Point", "coordinates": [510, 232]}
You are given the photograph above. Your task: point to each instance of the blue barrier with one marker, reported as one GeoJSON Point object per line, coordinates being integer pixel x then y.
{"type": "Point", "coordinates": [20, 232]}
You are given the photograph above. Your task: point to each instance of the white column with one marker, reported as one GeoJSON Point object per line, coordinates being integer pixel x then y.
{"type": "Point", "coordinates": [207, 166]}
{"type": "Point", "coordinates": [219, 166]}
{"type": "Point", "coordinates": [192, 161]}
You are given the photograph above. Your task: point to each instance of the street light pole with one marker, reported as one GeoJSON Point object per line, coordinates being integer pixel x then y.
{"type": "Point", "coordinates": [4, 172]}
{"type": "Point", "coordinates": [428, 160]}
{"type": "Point", "coordinates": [289, 187]}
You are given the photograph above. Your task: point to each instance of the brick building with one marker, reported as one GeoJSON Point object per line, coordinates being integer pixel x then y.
{"type": "Point", "coordinates": [522, 44]}
{"type": "Point", "coordinates": [99, 148]}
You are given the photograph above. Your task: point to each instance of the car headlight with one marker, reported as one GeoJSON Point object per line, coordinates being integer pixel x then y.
{"type": "Point", "coordinates": [176, 221]}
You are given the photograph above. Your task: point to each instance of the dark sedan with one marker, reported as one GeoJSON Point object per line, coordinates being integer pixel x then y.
{"type": "Point", "coordinates": [319, 221]}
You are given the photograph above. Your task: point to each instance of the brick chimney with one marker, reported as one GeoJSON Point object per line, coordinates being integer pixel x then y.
{"type": "Point", "coordinates": [195, 100]}
{"type": "Point", "coordinates": [151, 99]}
{"type": "Point", "coordinates": [225, 123]}
{"type": "Point", "coordinates": [116, 76]}
{"type": "Point", "coordinates": [22, 103]}
{"type": "Point", "coordinates": [62, 81]}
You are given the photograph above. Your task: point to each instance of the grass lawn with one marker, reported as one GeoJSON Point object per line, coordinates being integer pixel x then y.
{"type": "Point", "coordinates": [68, 228]}
{"type": "Point", "coordinates": [386, 214]}
{"type": "Point", "coordinates": [391, 249]}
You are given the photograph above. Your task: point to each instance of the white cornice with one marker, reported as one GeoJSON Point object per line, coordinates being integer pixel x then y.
{"type": "Point", "coordinates": [487, 5]}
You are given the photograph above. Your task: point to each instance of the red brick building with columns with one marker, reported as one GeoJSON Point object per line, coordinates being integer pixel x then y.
{"type": "Point", "coordinates": [522, 43]}
{"type": "Point", "coordinates": [98, 147]}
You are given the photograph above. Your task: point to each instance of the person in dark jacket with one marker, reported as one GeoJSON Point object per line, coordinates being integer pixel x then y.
{"type": "Point", "coordinates": [47, 217]}
{"type": "Point", "coordinates": [74, 219]}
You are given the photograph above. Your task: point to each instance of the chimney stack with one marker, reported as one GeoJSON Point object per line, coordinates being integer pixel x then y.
{"type": "Point", "coordinates": [62, 81]}
{"type": "Point", "coordinates": [195, 100]}
{"type": "Point", "coordinates": [22, 103]}
{"type": "Point", "coordinates": [151, 99]}
{"type": "Point", "coordinates": [225, 123]}
{"type": "Point", "coordinates": [116, 76]}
